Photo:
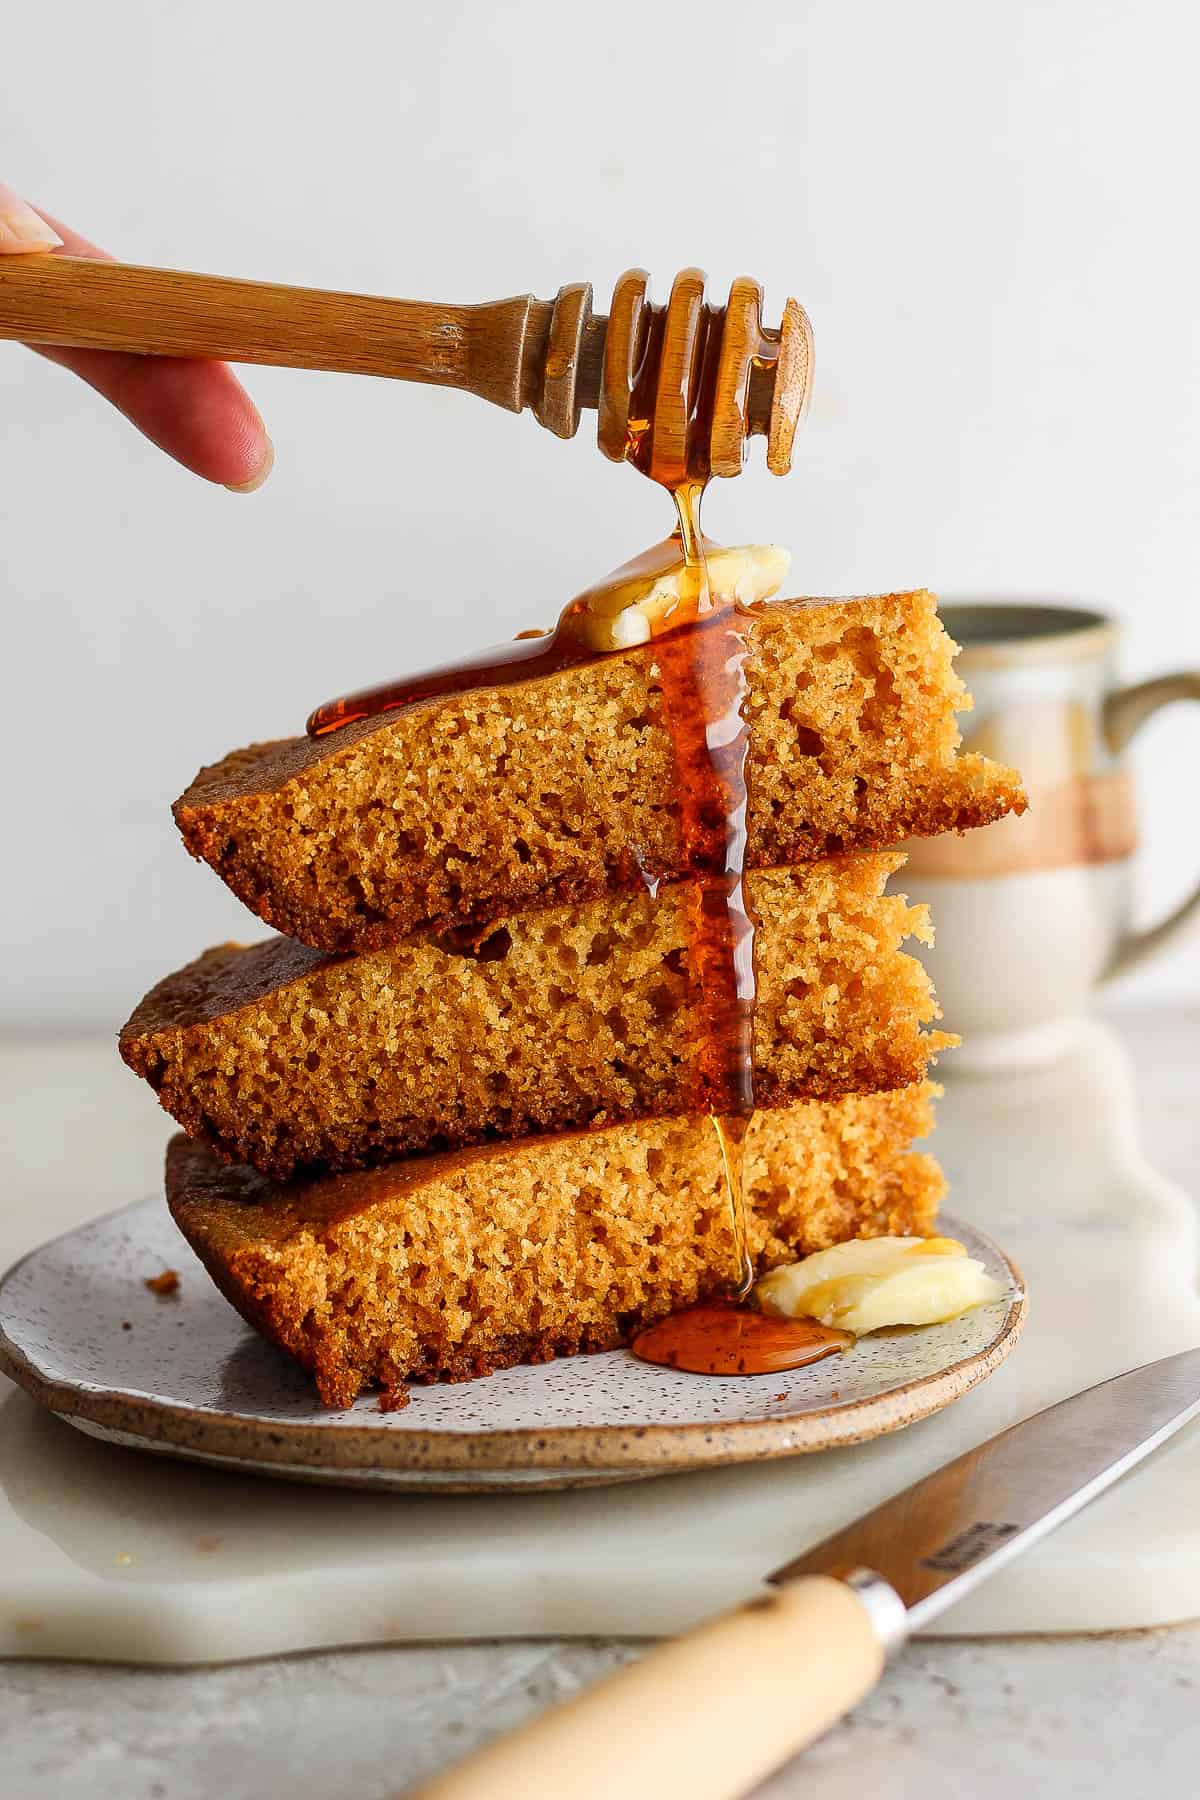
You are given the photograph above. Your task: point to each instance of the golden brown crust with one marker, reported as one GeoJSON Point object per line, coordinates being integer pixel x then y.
{"type": "Point", "coordinates": [556, 790]}
{"type": "Point", "coordinates": [563, 1018]}
{"type": "Point", "coordinates": [450, 1266]}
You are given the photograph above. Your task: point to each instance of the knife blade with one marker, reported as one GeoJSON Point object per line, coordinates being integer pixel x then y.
{"type": "Point", "coordinates": [940, 1538]}
{"type": "Point", "coordinates": [711, 1714]}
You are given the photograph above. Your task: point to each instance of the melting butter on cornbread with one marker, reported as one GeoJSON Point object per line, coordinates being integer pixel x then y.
{"type": "Point", "coordinates": [865, 1285]}
{"type": "Point", "coordinates": [641, 599]}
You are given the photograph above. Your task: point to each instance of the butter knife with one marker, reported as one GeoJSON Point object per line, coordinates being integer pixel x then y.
{"type": "Point", "coordinates": [712, 1713]}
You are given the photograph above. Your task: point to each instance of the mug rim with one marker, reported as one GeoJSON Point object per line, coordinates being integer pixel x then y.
{"type": "Point", "coordinates": [1019, 631]}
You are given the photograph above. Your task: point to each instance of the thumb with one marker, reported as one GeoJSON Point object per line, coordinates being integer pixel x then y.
{"type": "Point", "coordinates": [21, 229]}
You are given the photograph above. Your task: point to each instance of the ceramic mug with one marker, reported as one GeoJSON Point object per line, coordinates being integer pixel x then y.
{"type": "Point", "coordinates": [1031, 915]}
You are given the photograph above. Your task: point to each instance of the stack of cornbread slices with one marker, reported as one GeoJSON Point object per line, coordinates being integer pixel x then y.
{"type": "Point", "coordinates": [444, 1124]}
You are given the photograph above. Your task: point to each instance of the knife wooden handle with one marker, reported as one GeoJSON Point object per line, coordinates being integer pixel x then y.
{"type": "Point", "coordinates": [707, 1716]}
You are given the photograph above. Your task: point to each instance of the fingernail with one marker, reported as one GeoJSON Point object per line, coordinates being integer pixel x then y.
{"type": "Point", "coordinates": [21, 228]}
{"type": "Point", "coordinates": [255, 481]}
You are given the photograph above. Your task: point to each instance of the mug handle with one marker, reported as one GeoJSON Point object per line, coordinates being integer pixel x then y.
{"type": "Point", "coordinates": [1124, 714]}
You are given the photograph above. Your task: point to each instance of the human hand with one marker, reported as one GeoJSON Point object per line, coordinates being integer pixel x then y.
{"type": "Point", "coordinates": [198, 412]}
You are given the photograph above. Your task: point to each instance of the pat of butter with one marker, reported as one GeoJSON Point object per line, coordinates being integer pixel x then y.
{"type": "Point", "coordinates": [641, 599]}
{"type": "Point", "coordinates": [872, 1282]}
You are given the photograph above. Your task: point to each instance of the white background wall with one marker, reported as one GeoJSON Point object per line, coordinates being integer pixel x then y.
{"type": "Point", "coordinates": [989, 211]}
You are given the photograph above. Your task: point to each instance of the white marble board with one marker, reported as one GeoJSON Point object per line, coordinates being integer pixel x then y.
{"type": "Point", "coordinates": [112, 1554]}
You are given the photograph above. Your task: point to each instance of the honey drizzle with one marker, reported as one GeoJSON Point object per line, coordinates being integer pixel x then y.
{"type": "Point", "coordinates": [704, 689]}
{"type": "Point", "coordinates": [524, 660]}
{"type": "Point", "coordinates": [701, 658]}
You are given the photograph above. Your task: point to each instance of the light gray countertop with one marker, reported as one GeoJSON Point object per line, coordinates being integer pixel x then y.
{"type": "Point", "coordinates": [1104, 1717]}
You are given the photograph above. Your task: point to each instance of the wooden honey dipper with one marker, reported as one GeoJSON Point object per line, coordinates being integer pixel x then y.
{"type": "Point", "coordinates": [678, 389]}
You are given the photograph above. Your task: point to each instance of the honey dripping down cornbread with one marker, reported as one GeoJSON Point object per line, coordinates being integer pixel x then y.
{"type": "Point", "coordinates": [455, 1265]}
{"type": "Point", "coordinates": [554, 789]}
{"type": "Point", "coordinates": [565, 1017]}
{"type": "Point", "coordinates": [703, 689]}
{"type": "Point", "coordinates": [698, 690]}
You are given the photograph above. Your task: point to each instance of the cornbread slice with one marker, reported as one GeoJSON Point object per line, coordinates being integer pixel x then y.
{"type": "Point", "coordinates": [458, 1264]}
{"type": "Point", "coordinates": [567, 1017]}
{"type": "Point", "coordinates": [556, 789]}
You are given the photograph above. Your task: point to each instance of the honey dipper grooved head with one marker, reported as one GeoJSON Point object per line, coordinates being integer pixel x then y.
{"type": "Point", "coordinates": [682, 387]}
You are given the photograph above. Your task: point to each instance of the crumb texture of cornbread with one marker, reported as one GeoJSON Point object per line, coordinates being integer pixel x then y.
{"type": "Point", "coordinates": [554, 790]}
{"type": "Point", "coordinates": [454, 1265]}
{"type": "Point", "coordinates": [564, 1018]}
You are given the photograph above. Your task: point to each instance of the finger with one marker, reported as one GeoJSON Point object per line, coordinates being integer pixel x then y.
{"type": "Point", "coordinates": [70, 241]}
{"type": "Point", "coordinates": [198, 412]}
{"type": "Point", "coordinates": [21, 229]}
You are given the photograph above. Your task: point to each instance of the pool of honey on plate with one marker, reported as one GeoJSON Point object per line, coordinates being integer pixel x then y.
{"type": "Point", "coordinates": [700, 651]}
{"type": "Point", "coordinates": [716, 1339]}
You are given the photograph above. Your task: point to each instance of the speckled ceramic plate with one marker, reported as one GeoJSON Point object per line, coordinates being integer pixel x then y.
{"type": "Point", "coordinates": [184, 1376]}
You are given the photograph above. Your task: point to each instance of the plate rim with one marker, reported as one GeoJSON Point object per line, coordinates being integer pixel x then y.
{"type": "Point", "coordinates": [634, 1449]}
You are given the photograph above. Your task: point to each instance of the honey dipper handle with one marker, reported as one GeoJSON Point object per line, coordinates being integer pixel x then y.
{"type": "Point", "coordinates": [491, 350]}
{"type": "Point", "coordinates": [707, 1716]}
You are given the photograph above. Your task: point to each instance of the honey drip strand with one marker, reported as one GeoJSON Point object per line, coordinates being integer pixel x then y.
{"type": "Point", "coordinates": [699, 660]}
